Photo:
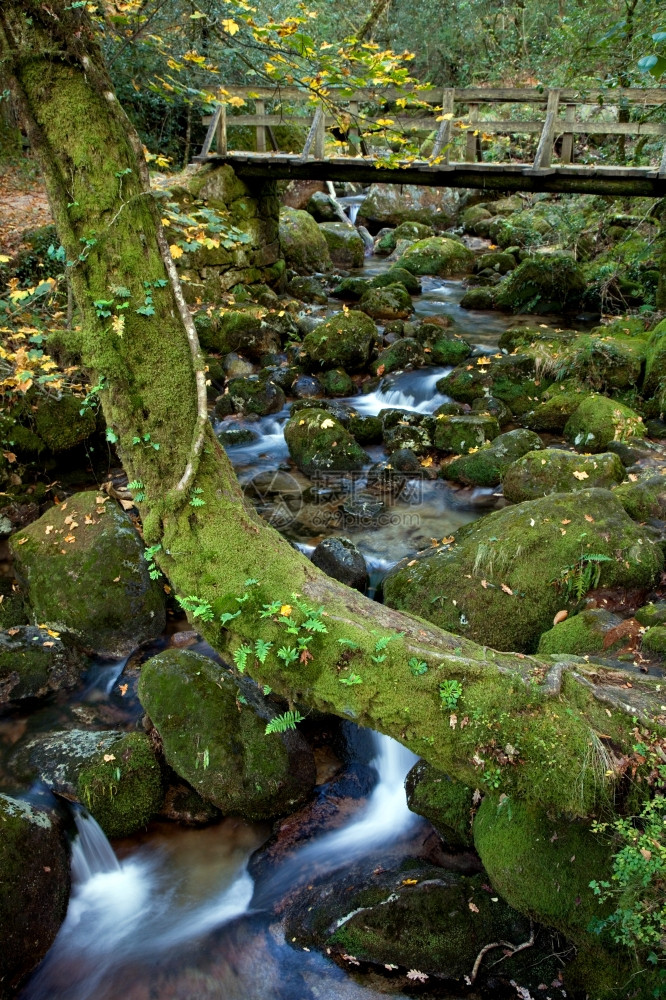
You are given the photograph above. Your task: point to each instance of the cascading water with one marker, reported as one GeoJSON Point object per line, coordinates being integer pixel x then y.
{"type": "Point", "coordinates": [415, 391]}
{"type": "Point", "coordinates": [123, 913]}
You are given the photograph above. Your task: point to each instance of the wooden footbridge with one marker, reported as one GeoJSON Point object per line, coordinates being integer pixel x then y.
{"type": "Point", "coordinates": [458, 120]}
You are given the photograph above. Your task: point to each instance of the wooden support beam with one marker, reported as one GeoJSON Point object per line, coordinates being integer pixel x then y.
{"type": "Point", "coordinates": [568, 138]}
{"type": "Point", "coordinates": [320, 134]}
{"type": "Point", "coordinates": [315, 127]}
{"type": "Point", "coordinates": [353, 136]}
{"type": "Point", "coordinates": [212, 126]}
{"type": "Point", "coordinates": [544, 151]}
{"type": "Point", "coordinates": [260, 109]}
{"type": "Point", "coordinates": [221, 133]}
{"type": "Point", "coordinates": [444, 131]}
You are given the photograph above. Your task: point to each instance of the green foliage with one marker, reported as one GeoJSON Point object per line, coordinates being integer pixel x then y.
{"type": "Point", "coordinates": [240, 656]}
{"type": "Point", "coordinates": [282, 723]}
{"type": "Point", "coordinates": [149, 555]}
{"type": "Point", "coordinates": [197, 607]}
{"type": "Point", "coordinates": [351, 679]}
{"type": "Point", "coordinates": [417, 667]}
{"type": "Point", "coordinates": [138, 490]}
{"type": "Point", "coordinates": [195, 497]}
{"type": "Point", "coordinates": [576, 580]}
{"type": "Point", "coordinates": [450, 692]}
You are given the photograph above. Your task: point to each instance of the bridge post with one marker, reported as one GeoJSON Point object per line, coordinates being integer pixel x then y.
{"type": "Point", "coordinates": [221, 131]}
{"type": "Point", "coordinates": [444, 130]}
{"type": "Point", "coordinates": [544, 151]}
{"type": "Point", "coordinates": [568, 138]}
{"type": "Point", "coordinates": [470, 149]}
{"type": "Point", "coordinates": [320, 133]}
{"type": "Point", "coordinates": [260, 109]}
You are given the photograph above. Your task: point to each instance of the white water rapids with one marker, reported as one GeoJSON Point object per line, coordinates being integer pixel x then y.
{"type": "Point", "coordinates": [127, 911]}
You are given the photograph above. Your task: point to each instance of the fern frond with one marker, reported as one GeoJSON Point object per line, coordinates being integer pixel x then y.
{"type": "Point", "coordinates": [281, 723]}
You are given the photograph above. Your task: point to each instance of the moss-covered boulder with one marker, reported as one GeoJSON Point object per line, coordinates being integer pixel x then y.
{"type": "Point", "coordinates": [34, 887]}
{"type": "Point", "coordinates": [511, 378]}
{"type": "Point", "coordinates": [218, 744]}
{"type": "Point", "coordinates": [390, 302]}
{"type": "Point", "coordinates": [486, 466]}
{"type": "Point", "coordinates": [496, 260]}
{"type": "Point", "coordinates": [122, 787]}
{"type": "Point", "coordinates": [655, 364]}
{"type": "Point", "coordinates": [446, 803]}
{"type": "Point", "coordinates": [651, 614]}
{"type": "Point", "coordinates": [549, 283]}
{"type": "Point", "coordinates": [479, 298]}
{"type": "Point", "coordinates": [318, 442]}
{"type": "Point", "coordinates": [338, 557]}
{"type": "Point", "coordinates": [345, 245]}
{"type": "Point", "coordinates": [542, 866]}
{"type": "Point", "coordinates": [254, 394]}
{"type": "Point", "coordinates": [63, 423]}
{"type": "Point", "coordinates": [345, 340]}
{"type": "Point", "coordinates": [606, 362]}
{"type": "Point", "coordinates": [336, 382]}
{"type": "Point", "coordinates": [598, 421]}
{"type": "Point", "coordinates": [645, 497]}
{"type": "Point", "coordinates": [37, 661]}
{"type": "Point", "coordinates": [410, 231]}
{"type": "Point", "coordinates": [303, 244]}
{"type": "Point", "coordinates": [351, 289]}
{"type": "Point", "coordinates": [404, 429]}
{"type": "Point", "coordinates": [393, 204]}
{"type": "Point", "coordinates": [437, 255]}
{"type": "Point", "coordinates": [654, 641]}
{"type": "Point", "coordinates": [554, 470]}
{"type": "Point", "coordinates": [12, 606]}
{"type": "Point", "coordinates": [402, 352]}
{"type": "Point", "coordinates": [554, 407]}
{"type": "Point", "coordinates": [590, 631]}
{"type": "Point", "coordinates": [507, 575]}
{"type": "Point", "coordinates": [473, 215]}
{"type": "Point", "coordinates": [307, 289]}
{"type": "Point", "coordinates": [447, 349]}
{"type": "Point", "coordinates": [82, 568]}
{"type": "Point", "coordinates": [240, 329]}
{"type": "Point", "coordinates": [398, 275]}
{"type": "Point", "coordinates": [460, 435]}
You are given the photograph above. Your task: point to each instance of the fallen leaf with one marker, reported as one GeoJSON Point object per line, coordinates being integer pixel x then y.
{"type": "Point", "coordinates": [453, 720]}
{"type": "Point", "coordinates": [590, 519]}
{"type": "Point", "coordinates": [48, 529]}
{"type": "Point", "coordinates": [448, 540]}
{"type": "Point", "coordinates": [123, 689]}
{"type": "Point", "coordinates": [10, 456]}
{"type": "Point", "coordinates": [633, 477]}
{"type": "Point", "coordinates": [286, 610]}
{"type": "Point", "coordinates": [381, 369]}
{"type": "Point", "coordinates": [70, 538]}
{"type": "Point", "coordinates": [116, 579]}
{"type": "Point", "coordinates": [48, 644]}
{"type": "Point", "coordinates": [484, 584]}
{"type": "Point", "coordinates": [560, 616]}
{"type": "Point", "coordinates": [327, 423]}
{"type": "Point", "coordinates": [426, 462]}
{"type": "Point", "coordinates": [566, 521]}
{"type": "Point", "coordinates": [305, 657]}
{"type": "Point", "coordinates": [12, 631]}
{"type": "Point", "coordinates": [507, 589]}
{"type": "Point", "coordinates": [23, 540]}
{"type": "Point", "coordinates": [473, 907]}
{"type": "Point", "coordinates": [410, 881]}
{"type": "Point", "coordinates": [580, 475]}
{"type": "Point", "coordinates": [108, 757]}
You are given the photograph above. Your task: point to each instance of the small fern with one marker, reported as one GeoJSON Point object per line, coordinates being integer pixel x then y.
{"type": "Point", "coordinates": [240, 657]}
{"type": "Point", "coordinates": [281, 723]}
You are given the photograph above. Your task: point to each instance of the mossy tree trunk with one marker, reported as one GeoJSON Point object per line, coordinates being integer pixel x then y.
{"type": "Point", "coordinates": [154, 394]}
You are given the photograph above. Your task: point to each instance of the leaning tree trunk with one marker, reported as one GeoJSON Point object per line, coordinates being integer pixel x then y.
{"type": "Point", "coordinates": [154, 401]}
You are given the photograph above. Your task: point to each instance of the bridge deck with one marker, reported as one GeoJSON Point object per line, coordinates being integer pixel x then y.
{"type": "Point", "coordinates": [574, 179]}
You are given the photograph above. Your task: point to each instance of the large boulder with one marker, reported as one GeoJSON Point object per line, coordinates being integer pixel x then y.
{"type": "Point", "coordinates": [83, 569]}
{"type": "Point", "coordinates": [461, 435]}
{"type": "Point", "coordinates": [410, 231]}
{"type": "Point", "coordinates": [598, 421]}
{"type": "Point", "coordinates": [593, 630]}
{"type": "Point", "coordinates": [303, 244]}
{"type": "Point", "coordinates": [345, 245]}
{"type": "Point", "coordinates": [36, 661]}
{"type": "Point", "coordinates": [391, 204]}
{"type": "Point", "coordinates": [645, 497]}
{"type": "Point", "coordinates": [556, 404]}
{"type": "Point", "coordinates": [446, 803]}
{"type": "Point", "coordinates": [218, 744]}
{"type": "Point", "coordinates": [542, 284]}
{"type": "Point", "coordinates": [339, 557]}
{"type": "Point", "coordinates": [390, 302]}
{"type": "Point", "coordinates": [34, 887]}
{"type": "Point", "coordinates": [345, 340]}
{"type": "Point", "coordinates": [437, 255]}
{"type": "Point", "coordinates": [507, 575]}
{"type": "Point", "coordinates": [318, 442]}
{"type": "Point", "coordinates": [254, 394]}
{"type": "Point", "coordinates": [395, 276]}
{"type": "Point", "coordinates": [554, 470]}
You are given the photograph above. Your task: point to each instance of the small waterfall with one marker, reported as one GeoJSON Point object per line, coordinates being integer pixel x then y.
{"type": "Point", "coordinates": [416, 391]}
{"type": "Point", "coordinates": [92, 853]}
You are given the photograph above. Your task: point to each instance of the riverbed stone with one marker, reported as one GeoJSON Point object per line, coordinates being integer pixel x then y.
{"type": "Point", "coordinates": [521, 552]}
{"type": "Point", "coordinates": [393, 204]}
{"type": "Point", "coordinates": [336, 382]}
{"type": "Point", "coordinates": [644, 498]}
{"type": "Point", "coordinates": [543, 284]}
{"type": "Point", "coordinates": [340, 558]}
{"type": "Point", "coordinates": [598, 421]}
{"type": "Point", "coordinates": [590, 631]}
{"type": "Point", "coordinates": [218, 744]}
{"type": "Point", "coordinates": [387, 303]}
{"type": "Point", "coordinates": [82, 568]}
{"type": "Point", "coordinates": [398, 275]}
{"type": "Point", "coordinates": [554, 407]}
{"type": "Point", "coordinates": [554, 470]}
{"type": "Point", "coordinates": [437, 255]}
{"type": "Point", "coordinates": [303, 244]}
{"type": "Point", "coordinates": [35, 662]}
{"type": "Point", "coordinates": [401, 353]}
{"type": "Point", "coordinates": [446, 803]}
{"type": "Point", "coordinates": [351, 289]}
{"type": "Point", "coordinates": [478, 298]}
{"type": "Point", "coordinates": [654, 641]}
{"type": "Point", "coordinates": [447, 348]}
{"type": "Point", "coordinates": [460, 435]}
{"type": "Point", "coordinates": [254, 394]}
{"type": "Point", "coordinates": [318, 442]}
{"type": "Point", "coordinates": [307, 289]}
{"type": "Point", "coordinates": [345, 246]}
{"type": "Point", "coordinates": [34, 887]}
{"type": "Point", "coordinates": [345, 340]}
{"type": "Point", "coordinates": [486, 466]}
{"type": "Point", "coordinates": [653, 613]}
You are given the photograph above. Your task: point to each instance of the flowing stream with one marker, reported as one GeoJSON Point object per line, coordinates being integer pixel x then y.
{"type": "Point", "coordinates": [127, 916]}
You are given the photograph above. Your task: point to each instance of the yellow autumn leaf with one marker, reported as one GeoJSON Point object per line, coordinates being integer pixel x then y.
{"type": "Point", "coordinates": [580, 475]}
{"type": "Point", "coordinates": [385, 121]}
{"type": "Point", "coordinates": [176, 251]}
{"type": "Point", "coordinates": [286, 610]}
{"type": "Point", "coordinates": [230, 26]}
{"type": "Point", "coordinates": [327, 423]}
{"type": "Point", "coordinates": [445, 118]}
{"type": "Point", "coordinates": [236, 102]}
{"type": "Point", "coordinates": [118, 325]}
{"type": "Point", "coordinates": [4, 259]}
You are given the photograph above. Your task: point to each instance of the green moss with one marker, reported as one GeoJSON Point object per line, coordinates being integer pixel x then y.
{"type": "Point", "coordinates": [398, 275]}
{"type": "Point", "coordinates": [553, 470]}
{"type": "Point", "coordinates": [472, 215]}
{"type": "Point", "coordinates": [447, 349]}
{"type": "Point", "coordinates": [582, 634]}
{"type": "Point", "coordinates": [655, 361]}
{"type": "Point", "coordinates": [123, 787]}
{"type": "Point", "coordinates": [303, 244]}
{"type": "Point", "coordinates": [645, 498]}
{"type": "Point", "coordinates": [511, 379]}
{"type": "Point", "coordinates": [486, 466]}
{"type": "Point", "coordinates": [87, 573]}
{"type": "Point", "coordinates": [12, 608]}
{"type": "Point", "coordinates": [447, 804]}
{"type": "Point", "coordinates": [254, 394]}
{"type": "Point", "coordinates": [345, 246]}
{"type": "Point", "coordinates": [556, 405]}
{"type": "Point", "coordinates": [218, 745]}
{"type": "Point", "coordinates": [653, 613]}
{"type": "Point", "coordinates": [345, 340]}
{"type": "Point", "coordinates": [336, 382]}
{"type": "Point", "coordinates": [598, 421]}
{"type": "Point", "coordinates": [478, 298]}
{"type": "Point", "coordinates": [351, 289]}
{"type": "Point", "coordinates": [459, 435]}
{"type": "Point", "coordinates": [495, 261]}
{"type": "Point", "coordinates": [524, 548]}
{"type": "Point", "coordinates": [318, 442]}
{"type": "Point", "coordinates": [390, 302]}
{"type": "Point", "coordinates": [548, 283]}
{"type": "Point", "coordinates": [61, 425]}
{"type": "Point", "coordinates": [401, 353]}
{"type": "Point", "coordinates": [34, 663]}
{"type": "Point", "coordinates": [605, 362]}
{"type": "Point", "coordinates": [654, 640]}
{"type": "Point", "coordinates": [437, 255]}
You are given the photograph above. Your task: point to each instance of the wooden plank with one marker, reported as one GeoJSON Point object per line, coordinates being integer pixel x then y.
{"type": "Point", "coordinates": [544, 151]}
{"type": "Point", "coordinates": [566, 155]}
{"type": "Point", "coordinates": [353, 136]}
{"type": "Point", "coordinates": [311, 134]}
{"type": "Point", "coordinates": [470, 147]}
{"type": "Point", "coordinates": [260, 110]}
{"type": "Point", "coordinates": [214, 119]}
{"type": "Point", "coordinates": [645, 96]}
{"type": "Point", "coordinates": [320, 134]}
{"type": "Point", "coordinates": [444, 131]}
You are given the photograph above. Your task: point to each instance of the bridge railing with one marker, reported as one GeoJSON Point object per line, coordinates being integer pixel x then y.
{"type": "Point", "coordinates": [448, 113]}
